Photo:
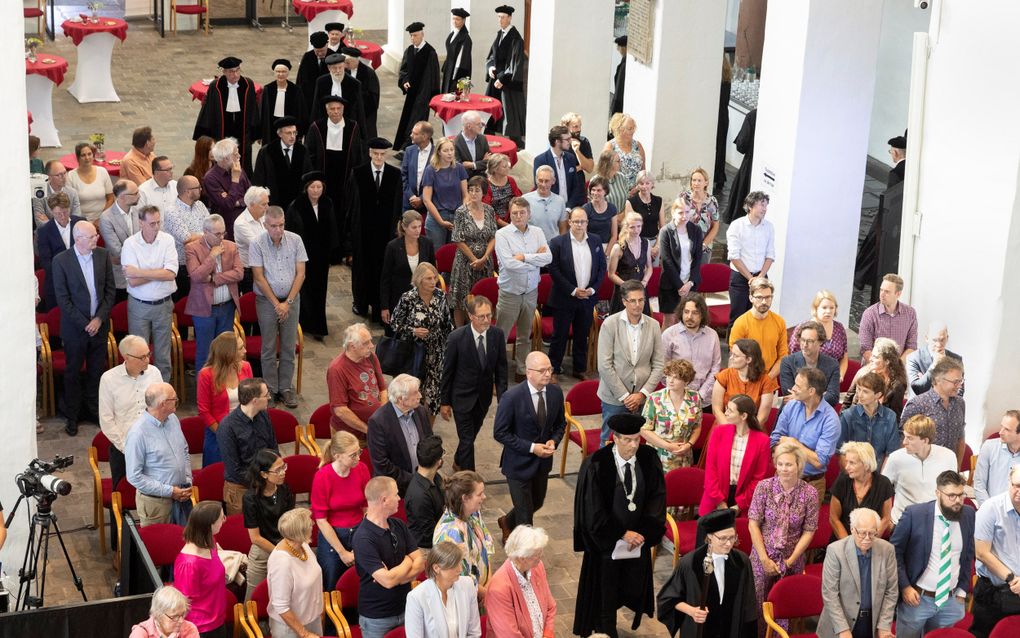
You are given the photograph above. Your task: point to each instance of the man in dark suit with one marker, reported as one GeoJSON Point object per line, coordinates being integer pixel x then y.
{"type": "Point", "coordinates": [620, 76]}
{"type": "Point", "coordinates": [934, 578]}
{"type": "Point", "coordinates": [338, 82]}
{"type": "Point", "coordinates": [395, 430]}
{"type": "Point", "coordinates": [281, 164]}
{"type": "Point", "coordinates": [529, 424]}
{"type": "Point", "coordinates": [410, 175]}
{"type": "Point", "coordinates": [458, 52]}
{"type": "Point", "coordinates": [898, 153]}
{"type": "Point", "coordinates": [569, 182]}
{"type": "Point", "coordinates": [577, 269]}
{"type": "Point", "coordinates": [116, 224]}
{"type": "Point", "coordinates": [470, 145]}
{"type": "Point", "coordinates": [475, 362]}
{"type": "Point", "coordinates": [84, 287]}
{"type": "Point", "coordinates": [53, 238]}
{"type": "Point", "coordinates": [370, 91]}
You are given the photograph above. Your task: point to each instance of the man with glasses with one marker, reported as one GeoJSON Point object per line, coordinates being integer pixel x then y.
{"type": "Point", "coordinates": [566, 181]}
{"type": "Point", "coordinates": [215, 269]}
{"type": "Point", "coordinates": [997, 548]}
{"type": "Point", "coordinates": [995, 458]}
{"type": "Point", "coordinates": [810, 355]}
{"type": "Point", "coordinates": [158, 463]}
{"type": "Point", "coordinates": [56, 174]}
{"type": "Point", "coordinates": [160, 190]}
{"type": "Point", "coordinates": [355, 383]}
{"type": "Point", "coordinates": [912, 469]}
{"type": "Point", "coordinates": [862, 557]}
{"type": "Point", "coordinates": [183, 220]}
{"type": "Point", "coordinates": [943, 405]}
{"type": "Point", "coordinates": [763, 325]}
{"type": "Point", "coordinates": [751, 251]}
{"type": "Point", "coordinates": [922, 361]}
{"type": "Point", "coordinates": [529, 424]}
{"type": "Point", "coordinates": [241, 434]}
{"type": "Point", "coordinates": [620, 502]}
{"type": "Point", "coordinates": [116, 224]}
{"type": "Point", "coordinates": [577, 269]}
{"type": "Point", "coordinates": [934, 544]}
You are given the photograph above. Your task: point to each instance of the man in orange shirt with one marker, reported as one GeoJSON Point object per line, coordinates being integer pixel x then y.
{"type": "Point", "coordinates": [136, 165]}
{"type": "Point", "coordinates": [763, 325]}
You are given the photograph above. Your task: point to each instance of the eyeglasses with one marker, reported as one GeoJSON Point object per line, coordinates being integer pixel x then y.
{"type": "Point", "coordinates": [168, 169]}
{"type": "Point", "coordinates": [220, 235]}
{"type": "Point", "coordinates": [545, 370]}
{"type": "Point", "coordinates": [727, 540]}
{"type": "Point", "coordinates": [484, 317]}
{"type": "Point", "coordinates": [175, 618]}
{"type": "Point", "coordinates": [279, 470]}
{"type": "Point", "coordinates": [954, 496]}
{"type": "Point", "coordinates": [579, 222]}
{"type": "Point", "coordinates": [807, 342]}
{"type": "Point", "coordinates": [633, 300]}
{"type": "Point", "coordinates": [761, 299]}
{"type": "Point", "coordinates": [865, 535]}
{"type": "Point", "coordinates": [953, 382]}
{"type": "Point", "coordinates": [141, 357]}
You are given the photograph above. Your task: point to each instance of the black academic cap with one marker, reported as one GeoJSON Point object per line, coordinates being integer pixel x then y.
{"type": "Point", "coordinates": [621, 41]}
{"type": "Point", "coordinates": [415, 27]}
{"type": "Point", "coordinates": [351, 52]}
{"type": "Point", "coordinates": [717, 521]}
{"type": "Point", "coordinates": [318, 39]}
{"type": "Point", "coordinates": [229, 62]}
{"type": "Point", "coordinates": [284, 61]}
{"type": "Point", "coordinates": [312, 176]}
{"type": "Point", "coordinates": [334, 98]}
{"type": "Point", "coordinates": [626, 423]}
{"type": "Point", "coordinates": [334, 58]}
{"type": "Point", "coordinates": [286, 120]}
{"type": "Point", "coordinates": [507, 9]}
{"type": "Point", "coordinates": [899, 142]}
{"type": "Point", "coordinates": [379, 143]}
{"type": "Point", "coordinates": [334, 26]}
{"type": "Point", "coordinates": [460, 13]}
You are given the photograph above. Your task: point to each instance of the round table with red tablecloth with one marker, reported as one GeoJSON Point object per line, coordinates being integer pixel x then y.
{"type": "Point", "coordinates": [199, 89]}
{"type": "Point", "coordinates": [370, 52]}
{"type": "Point", "coordinates": [92, 79]}
{"type": "Point", "coordinates": [111, 163]}
{"type": "Point", "coordinates": [451, 112]}
{"type": "Point", "coordinates": [40, 77]}
{"type": "Point", "coordinates": [319, 13]}
{"type": "Point", "coordinates": [500, 144]}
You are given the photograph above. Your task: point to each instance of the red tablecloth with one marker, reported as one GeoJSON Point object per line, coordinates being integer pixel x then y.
{"type": "Point", "coordinates": [78, 30]}
{"type": "Point", "coordinates": [447, 110]}
{"type": "Point", "coordinates": [199, 89]}
{"type": "Point", "coordinates": [70, 162]}
{"type": "Point", "coordinates": [308, 9]}
{"type": "Point", "coordinates": [54, 70]}
{"type": "Point", "coordinates": [499, 144]}
{"type": "Point", "coordinates": [370, 51]}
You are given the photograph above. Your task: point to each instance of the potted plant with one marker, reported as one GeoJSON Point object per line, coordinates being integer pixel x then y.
{"type": "Point", "coordinates": [98, 140]}
{"type": "Point", "coordinates": [94, 7]}
{"type": "Point", "coordinates": [464, 89]}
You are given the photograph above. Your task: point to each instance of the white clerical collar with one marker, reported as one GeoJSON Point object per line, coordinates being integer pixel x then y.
{"type": "Point", "coordinates": [338, 125]}
{"type": "Point", "coordinates": [232, 86]}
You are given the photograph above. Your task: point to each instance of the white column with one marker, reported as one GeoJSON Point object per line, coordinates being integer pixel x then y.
{"type": "Point", "coordinates": [675, 99]}
{"type": "Point", "coordinates": [571, 47]}
{"type": "Point", "coordinates": [434, 14]}
{"type": "Point", "coordinates": [963, 269]}
{"type": "Point", "coordinates": [814, 111]}
{"type": "Point", "coordinates": [17, 348]}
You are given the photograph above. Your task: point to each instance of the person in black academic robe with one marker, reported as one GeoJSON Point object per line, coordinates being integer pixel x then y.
{"type": "Point", "coordinates": [373, 210]}
{"type": "Point", "coordinates": [318, 231]}
{"type": "Point", "coordinates": [722, 128]}
{"type": "Point", "coordinates": [458, 53]}
{"type": "Point", "coordinates": [350, 90]}
{"type": "Point", "coordinates": [274, 170]}
{"type": "Point", "coordinates": [370, 91]}
{"type": "Point", "coordinates": [335, 163]}
{"type": "Point", "coordinates": [293, 103]}
{"type": "Point", "coordinates": [744, 142]}
{"type": "Point", "coordinates": [216, 121]}
{"type": "Point", "coordinates": [620, 77]}
{"type": "Point", "coordinates": [505, 66]}
{"type": "Point", "coordinates": [736, 615]}
{"type": "Point", "coordinates": [310, 68]}
{"type": "Point", "coordinates": [603, 516]}
{"type": "Point", "coordinates": [418, 80]}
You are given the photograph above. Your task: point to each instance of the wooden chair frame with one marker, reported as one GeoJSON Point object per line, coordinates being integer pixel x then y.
{"type": "Point", "coordinates": [173, 14]}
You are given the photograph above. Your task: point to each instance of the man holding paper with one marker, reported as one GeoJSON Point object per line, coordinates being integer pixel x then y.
{"type": "Point", "coordinates": [619, 516]}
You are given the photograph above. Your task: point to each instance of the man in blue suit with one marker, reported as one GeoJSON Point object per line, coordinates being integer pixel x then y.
{"type": "Point", "coordinates": [53, 238]}
{"type": "Point", "coordinates": [569, 182]}
{"type": "Point", "coordinates": [412, 166]}
{"type": "Point", "coordinates": [577, 269]}
{"type": "Point", "coordinates": [934, 576]}
{"type": "Point", "coordinates": [529, 424]}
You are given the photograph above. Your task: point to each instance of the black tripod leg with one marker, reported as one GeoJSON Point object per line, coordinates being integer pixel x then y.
{"type": "Point", "coordinates": [26, 577]}
{"type": "Point", "coordinates": [79, 585]}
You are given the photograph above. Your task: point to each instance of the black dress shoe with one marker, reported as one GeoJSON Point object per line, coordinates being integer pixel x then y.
{"type": "Point", "coordinates": [581, 376]}
{"type": "Point", "coordinates": [358, 311]}
{"type": "Point", "coordinates": [71, 427]}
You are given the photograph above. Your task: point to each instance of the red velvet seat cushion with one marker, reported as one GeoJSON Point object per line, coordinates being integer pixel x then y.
{"type": "Point", "coordinates": [33, 12]}
{"type": "Point", "coordinates": [191, 9]}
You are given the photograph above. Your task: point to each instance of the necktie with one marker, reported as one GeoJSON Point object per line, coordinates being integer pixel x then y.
{"type": "Point", "coordinates": [628, 479]}
{"type": "Point", "coordinates": [286, 153]}
{"type": "Point", "coordinates": [481, 350]}
{"type": "Point", "coordinates": [540, 411]}
{"type": "Point", "coordinates": [945, 562]}
{"type": "Point", "coordinates": [378, 180]}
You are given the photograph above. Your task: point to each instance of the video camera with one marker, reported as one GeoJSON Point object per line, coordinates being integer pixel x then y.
{"type": "Point", "coordinates": [37, 480]}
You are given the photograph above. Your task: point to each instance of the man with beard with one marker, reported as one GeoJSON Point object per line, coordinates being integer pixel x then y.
{"type": "Point", "coordinates": [334, 145]}
{"type": "Point", "coordinates": [458, 52]}
{"type": "Point", "coordinates": [281, 163]}
{"type": "Point", "coordinates": [281, 98]}
{"type": "Point", "coordinates": [373, 206]}
{"type": "Point", "coordinates": [505, 66]}
{"type": "Point", "coordinates": [230, 110]}
{"type": "Point", "coordinates": [694, 340]}
{"type": "Point", "coordinates": [934, 544]}
{"type": "Point", "coordinates": [340, 84]}
{"type": "Point", "coordinates": [311, 68]}
{"type": "Point", "coordinates": [418, 81]}
{"type": "Point", "coordinates": [619, 516]}
{"type": "Point", "coordinates": [370, 91]}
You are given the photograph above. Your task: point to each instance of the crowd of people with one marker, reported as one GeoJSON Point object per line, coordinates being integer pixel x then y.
{"type": "Point", "coordinates": [768, 429]}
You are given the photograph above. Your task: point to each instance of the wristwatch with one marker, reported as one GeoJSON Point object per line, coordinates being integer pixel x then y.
{"type": "Point", "coordinates": [290, 302]}
{"type": "Point", "coordinates": [1009, 577]}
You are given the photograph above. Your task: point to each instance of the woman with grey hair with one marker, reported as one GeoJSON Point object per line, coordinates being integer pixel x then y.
{"type": "Point", "coordinates": [225, 183]}
{"type": "Point", "coordinates": [294, 580]}
{"type": "Point", "coordinates": [422, 314]}
{"type": "Point", "coordinates": [446, 604]}
{"type": "Point", "coordinates": [860, 484]}
{"type": "Point", "coordinates": [518, 602]}
{"type": "Point", "coordinates": [166, 617]}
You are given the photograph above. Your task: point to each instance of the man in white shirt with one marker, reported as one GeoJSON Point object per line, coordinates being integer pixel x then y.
{"type": "Point", "coordinates": [913, 468]}
{"type": "Point", "coordinates": [150, 264]}
{"type": "Point", "coordinates": [522, 251]}
{"type": "Point", "coordinates": [117, 224]}
{"type": "Point", "coordinates": [248, 226]}
{"type": "Point", "coordinates": [751, 250]}
{"type": "Point", "coordinates": [548, 210]}
{"type": "Point", "coordinates": [161, 189]}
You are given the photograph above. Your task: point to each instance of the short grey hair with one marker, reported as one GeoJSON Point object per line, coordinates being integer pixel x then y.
{"type": "Point", "coordinates": [525, 541]}
{"type": "Point", "coordinates": [545, 168]}
{"type": "Point", "coordinates": [128, 342]}
{"type": "Point", "coordinates": [353, 332]}
{"type": "Point", "coordinates": [296, 525]}
{"type": "Point", "coordinates": [223, 149]}
{"type": "Point", "coordinates": [157, 393]}
{"type": "Point", "coordinates": [864, 451]}
{"type": "Point", "coordinates": [253, 194]}
{"type": "Point", "coordinates": [402, 386]}
{"type": "Point", "coordinates": [275, 212]}
{"type": "Point", "coordinates": [168, 600]}
{"type": "Point", "coordinates": [936, 327]}
{"type": "Point", "coordinates": [471, 116]}
{"type": "Point", "coordinates": [211, 220]}
{"type": "Point", "coordinates": [858, 515]}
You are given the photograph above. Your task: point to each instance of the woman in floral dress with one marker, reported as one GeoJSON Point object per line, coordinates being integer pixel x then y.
{"type": "Point", "coordinates": [502, 188]}
{"type": "Point", "coordinates": [462, 523]}
{"type": "Point", "coordinates": [673, 416]}
{"type": "Point", "coordinates": [474, 232]}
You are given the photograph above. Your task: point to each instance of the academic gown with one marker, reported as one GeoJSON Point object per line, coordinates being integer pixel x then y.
{"type": "Point", "coordinates": [456, 47]}
{"type": "Point", "coordinates": [337, 165]}
{"type": "Point", "coordinates": [421, 71]}
{"type": "Point", "coordinates": [319, 234]}
{"type": "Point", "coordinates": [370, 94]}
{"type": "Point", "coordinates": [619, 82]}
{"type": "Point", "coordinates": [508, 58]}
{"type": "Point", "coordinates": [309, 70]}
{"type": "Point", "coordinates": [600, 520]}
{"type": "Point", "coordinates": [294, 105]}
{"type": "Point", "coordinates": [744, 141]}
{"type": "Point", "coordinates": [351, 90]}
{"type": "Point", "coordinates": [214, 121]}
{"type": "Point", "coordinates": [282, 179]}
{"type": "Point", "coordinates": [736, 616]}
{"type": "Point", "coordinates": [372, 215]}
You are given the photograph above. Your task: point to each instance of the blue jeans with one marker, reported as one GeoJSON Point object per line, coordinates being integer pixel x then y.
{"type": "Point", "coordinates": [378, 627]}
{"type": "Point", "coordinates": [208, 328]}
{"type": "Point", "coordinates": [329, 560]}
{"type": "Point", "coordinates": [608, 410]}
{"type": "Point", "coordinates": [436, 233]}
{"type": "Point", "coordinates": [914, 622]}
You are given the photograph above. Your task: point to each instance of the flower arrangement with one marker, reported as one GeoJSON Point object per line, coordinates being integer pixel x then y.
{"type": "Point", "coordinates": [98, 140]}
{"type": "Point", "coordinates": [95, 6]}
{"type": "Point", "coordinates": [33, 44]}
{"type": "Point", "coordinates": [464, 88]}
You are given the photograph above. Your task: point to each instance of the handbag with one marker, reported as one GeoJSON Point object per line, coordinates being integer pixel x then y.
{"type": "Point", "coordinates": [401, 356]}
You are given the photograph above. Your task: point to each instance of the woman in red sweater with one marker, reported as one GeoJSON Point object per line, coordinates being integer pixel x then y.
{"type": "Point", "coordinates": [736, 458]}
{"type": "Point", "coordinates": [216, 388]}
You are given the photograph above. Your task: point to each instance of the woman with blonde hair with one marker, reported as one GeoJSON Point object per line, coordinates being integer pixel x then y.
{"type": "Point", "coordinates": [216, 388]}
{"type": "Point", "coordinates": [860, 484]}
{"type": "Point", "coordinates": [502, 189]}
{"type": "Point", "coordinates": [624, 146]}
{"type": "Point", "coordinates": [630, 258]}
{"type": "Point", "coordinates": [649, 206]}
{"type": "Point", "coordinates": [403, 254]}
{"type": "Point", "coordinates": [702, 209]}
{"type": "Point", "coordinates": [338, 504]}
{"type": "Point", "coordinates": [295, 593]}
{"type": "Point", "coordinates": [444, 189]}
{"type": "Point", "coordinates": [823, 310]}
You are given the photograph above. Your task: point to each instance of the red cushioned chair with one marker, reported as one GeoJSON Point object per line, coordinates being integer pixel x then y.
{"type": "Point", "coordinates": [163, 541]}
{"type": "Point", "coordinates": [318, 428]}
{"type": "Point", "coordinates": [301, 469]}
{"type": "Point", "coordinates": [234, 535]}
{"type": "Point", "coordinates": [184, 346]}
{"type": "Point", "coordinates": [743, 535]}
{"type": "Point", "coordinates": [852, 367]}
{"type": "Point", "coordinates": [285, 428]}
{"type": "Point", "coordinates": [208, 483]}
{"type": "Point", "coordinates": [832, 471]}
{"type": "Point", "coordinates": [37, 12]}
{"type": "Point", "coordinates": [247, 314]}
{"type": "Point", "coordinates": [194, 433]}
{"type": "Point", "coordinates": [52, 361]}
{"type": "Point", "coordinates": [1008, 627]}
{"type": "Point", "coordinates": [652, 289]}
{"type": "Point", "coordinates": [102, 488]}
{"type": "Point", "coordinates": [770, 423]}
{"type": "Point", "coordinates": [444, 259]}
{"type": "Point", "coordinates": [684, 486]}
{"type": "Point", "coordinates": [542, 331]}
{"type": "Point", "coordinates": [118, 330]}
{"type": "Point", "coordinates": [824, 531]}
{"type": "Point", "coordinates": [716, 278]}
{"type": "Point", "coordinates": [707, 423]}
{"type": "Point", "coordinates": [395, 633]}
{"type": "Point", "coordinates": [349, 585]}
{"type": "Point", "coordinates": [949, 632]}
{"type": "Point", "coordinates": [200, 8]}
{"type": "Point", "coordinates": [797, 596]}
{"type": "Point", "coordinates": [581, 400]}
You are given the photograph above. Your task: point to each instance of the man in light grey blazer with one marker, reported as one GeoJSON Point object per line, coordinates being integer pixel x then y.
{"type": "Point", "coordinates": [630, 358]}
{"type": "Point", "coordinates": [850, 609]}
{"type": "Point", "coordinates": [116, 224]}
{"type": "Point", "coordinates": [921, 361]}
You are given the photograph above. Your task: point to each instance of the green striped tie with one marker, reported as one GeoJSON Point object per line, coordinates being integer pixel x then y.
{"type": "Point", "coordinates": [945, 560]}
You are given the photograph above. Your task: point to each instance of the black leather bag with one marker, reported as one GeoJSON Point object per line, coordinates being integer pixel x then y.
{"type": "Point", "coordinates": [401, 356]}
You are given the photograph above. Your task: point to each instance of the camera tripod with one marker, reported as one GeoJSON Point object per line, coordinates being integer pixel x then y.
{"type": "Point", "coordinates": [43, 525]}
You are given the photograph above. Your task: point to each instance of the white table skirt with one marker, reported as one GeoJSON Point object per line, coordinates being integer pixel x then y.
{"type": "Point", "coordinates": [40, 105]}
{"type": "Point", "coordinates": [92, 79]}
